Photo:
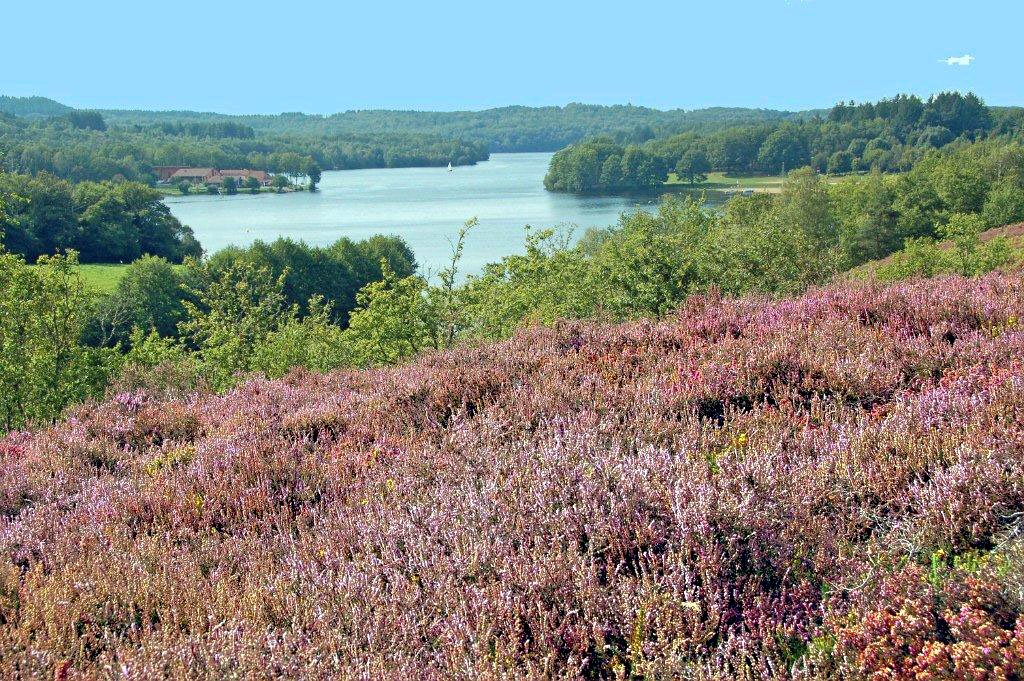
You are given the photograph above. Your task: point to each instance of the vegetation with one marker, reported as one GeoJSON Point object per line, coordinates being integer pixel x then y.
{"type": "Point", "coordinates": [80, 146]}
{"type": "Point", "coordinates": [970, 253]}
{"type": "Point", "coordinates": [32, 107]}
{"type": "Point", "coordinates": [105, 222]}
{"type": "Point", "coordinates": [44, 367]}
{"type": "Point", "coordinates": [513, 128]}
{"type": "Point", "coordinates": [363, 304]}
{"type": "Point", "coordinates": [650, 453]}
{"type": "Point", "coordinates": [823, 487]}
{"type": "Point", "coordinates": [890, 135]}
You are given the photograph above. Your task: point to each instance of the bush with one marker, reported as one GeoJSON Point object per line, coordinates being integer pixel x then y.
{"type": "Point", "coordinates": [43, 366]}
{"type": "Point", "coordinates": [823, 487]}
{"type": "Point", "coordinates": [150, 296]}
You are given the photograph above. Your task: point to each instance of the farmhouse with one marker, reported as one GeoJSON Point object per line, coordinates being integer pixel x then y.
{"type": "Point", "coordinates": [240, 176]}
{"type": "Point", "coordinates": [211, 175]}
{"type": "Point", "coordinates": [163, 173]}
{"type": "Point", "coordinates": [192, 175]}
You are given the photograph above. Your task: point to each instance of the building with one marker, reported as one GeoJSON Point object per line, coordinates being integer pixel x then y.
{"type": "Point", "coordinates": [240, 177]}
{"type": "Point", "coordinates": [191, 175]}
{"type": "Point", "coordinates": [211, 175]}
{"type": "Point", "coordinates": [163, 173]}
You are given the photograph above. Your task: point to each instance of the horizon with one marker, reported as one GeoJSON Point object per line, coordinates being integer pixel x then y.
{"type": "Point", "coordinates": [923, 97]}
{"type": "Point", "coordinates": [777, 54]}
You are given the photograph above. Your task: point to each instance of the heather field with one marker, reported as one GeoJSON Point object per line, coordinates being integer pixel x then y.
{"type": "Point", "coordinates": [825, 487]}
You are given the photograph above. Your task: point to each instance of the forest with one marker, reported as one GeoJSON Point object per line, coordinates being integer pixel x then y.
{"type": "Point", "coordinates": [506, 129]}
{"type": "Point", "coordinates": [889, 135]}
{"type": "Point", "coordinates": [80, 146]}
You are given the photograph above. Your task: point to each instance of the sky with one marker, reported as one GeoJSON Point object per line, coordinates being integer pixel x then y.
{"type": "Point", "coordinates": [252, 56]}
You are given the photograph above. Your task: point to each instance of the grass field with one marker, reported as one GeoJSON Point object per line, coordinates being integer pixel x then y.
{"type": "Point", "coordinates": [103, 278]}
{"type": "Point", "coordinates": [720, 180]}
{"type": "Point", "coordinates": [759, 183]}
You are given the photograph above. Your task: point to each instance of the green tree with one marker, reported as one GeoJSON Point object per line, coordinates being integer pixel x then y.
{"type": "Point", "coordinates": [150, 296]}
{"type": "Point", "coordinates": [964, 231]}
{"type": "Point", "coordinates": [840, 162]}
{"type": "Point", "coordinates": [230, 185]}
{"type": "Point", "coordinates": [783, 150]}
{"type": "Point", "coordinates": [43, 366]}
{"type": "Point", "coordinates": [652, 262]}
{"type": "Point", "coordinates": [312, 342]}
{"type": "Point", "coordinates": [1004, 204]}
{"type": "Point", "coordinates": [230, 317]}
{"type": "Point", "coordinates": [118, 222]}
{"type": "Point", "coordinates": [550, 281]}
{"type": "Point", "coordinates": [804, 210]}
{"type": "Point", "coordinates": [280, 182]}
{"type": "Point", "coordinates": [43, 219]}
{"type": "Point", "coordinates": [313, 172]}
{"type": "Point", "coordinates": [693, 166]}
{"type": "Point", "coordinates": [920, 257]}
{"type": "Point", "coordinates": [641, 169]}
{"type": "Point", "coordinates": [252, 184]}
{"type": "Point", "coordinates": [611, 172]}
{"type": "Point", "coordinates": [394, 320]}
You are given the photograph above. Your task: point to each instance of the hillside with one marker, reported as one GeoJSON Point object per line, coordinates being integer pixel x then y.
{"type": "Point", "coordinates": [32, 107]}
{"type": "Point", "coordinates": [826, 486]}
{"type": "Point", "coordinates": [1014, 235]}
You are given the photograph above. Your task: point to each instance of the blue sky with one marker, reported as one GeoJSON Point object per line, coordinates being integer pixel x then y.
{"type": "Point", "coordinates": [251, 56]}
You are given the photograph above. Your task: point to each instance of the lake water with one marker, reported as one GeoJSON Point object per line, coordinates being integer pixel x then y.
{"type": "Point", "coordinates": [424, 206]}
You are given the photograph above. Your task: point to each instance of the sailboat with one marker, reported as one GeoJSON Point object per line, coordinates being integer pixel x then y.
{"type": "Point", "coordinates": [449, 166]}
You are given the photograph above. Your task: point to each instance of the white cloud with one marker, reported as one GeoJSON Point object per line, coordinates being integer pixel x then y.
{"type": "Point", "coordinates": [959, 61]}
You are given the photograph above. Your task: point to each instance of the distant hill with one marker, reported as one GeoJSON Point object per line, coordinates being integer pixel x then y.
{"type": "Point", "coordinates": [32, 107]}
{"type": "Point", "coordinates": [510, 128]}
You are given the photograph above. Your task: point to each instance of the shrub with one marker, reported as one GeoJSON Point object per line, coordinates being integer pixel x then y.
{"type": "Point", "coordinates": [821, 487]}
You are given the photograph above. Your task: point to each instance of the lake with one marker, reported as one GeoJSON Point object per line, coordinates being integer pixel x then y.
{"type": "Point", "coordinates": [424, 206]}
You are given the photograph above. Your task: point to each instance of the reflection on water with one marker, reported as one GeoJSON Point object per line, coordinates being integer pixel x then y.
{"type": "Point", "coordinates": [425, 206]}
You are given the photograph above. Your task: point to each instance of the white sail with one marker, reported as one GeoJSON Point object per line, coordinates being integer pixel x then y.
{"type": "Point", "coordinates": [449, 166]}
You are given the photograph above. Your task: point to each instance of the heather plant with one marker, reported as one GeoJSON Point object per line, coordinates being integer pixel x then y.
{"type": "Point", "coordinates": [827, 486]}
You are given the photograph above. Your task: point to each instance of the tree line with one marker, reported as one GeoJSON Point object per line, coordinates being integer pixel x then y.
{"type": "Point", "coordinates": [505, 129]}
{"type": "Point", "coordinates": [80, 146]}
{"type": "Point", "coordinates": [890, 135]}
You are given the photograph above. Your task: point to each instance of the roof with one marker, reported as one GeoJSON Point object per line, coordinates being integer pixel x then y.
{"type": "Point", "coordinates": [193, 172]}
{"type": "Point", "coordinates": [214, 176]}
